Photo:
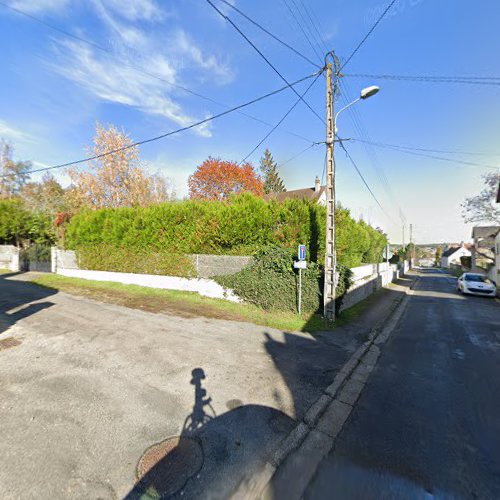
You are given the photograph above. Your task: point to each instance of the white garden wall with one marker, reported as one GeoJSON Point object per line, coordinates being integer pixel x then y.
{"type": "Point", "coordinates": [206, 287]}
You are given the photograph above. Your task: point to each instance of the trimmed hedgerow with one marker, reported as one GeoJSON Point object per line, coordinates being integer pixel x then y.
{"type": "Point", "coordinates": [240, 226]}
{"type": "Point", "coordinates": [106, 257]}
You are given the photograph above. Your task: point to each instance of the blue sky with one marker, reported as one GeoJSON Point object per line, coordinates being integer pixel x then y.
{"type": "Point", "coordinates": [53, 90]}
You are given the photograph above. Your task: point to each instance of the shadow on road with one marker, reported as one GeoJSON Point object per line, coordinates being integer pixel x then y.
{"type": "Point", "coordinates": [207, 442]}
{"type": "Point", "coordinates": [215, 453]}
{"type": "Point", "coordinates": [16, 300]}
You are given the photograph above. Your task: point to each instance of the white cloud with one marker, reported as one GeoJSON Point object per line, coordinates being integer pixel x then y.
{"type": "Point", "coordinates": [109, 80]}
{"type": "Point", "coordinates": [136, 10]}
{"type": "Point", "coordinates": [36, 6]}
{"type": "Point", "coordinates": [11, 133]}
{"type": "Point", "coordinates": [186, 48]}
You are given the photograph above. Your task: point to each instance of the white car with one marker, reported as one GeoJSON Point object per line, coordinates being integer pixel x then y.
{"type": "Point", "coordinates": [476, 284]}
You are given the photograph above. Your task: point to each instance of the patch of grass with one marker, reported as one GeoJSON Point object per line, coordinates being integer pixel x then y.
{"type": "Point", "coordinates": [189, 304]}
{"type": "Point", "coordinates": [4, 271]}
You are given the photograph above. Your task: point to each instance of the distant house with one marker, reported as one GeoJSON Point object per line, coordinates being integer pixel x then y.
{"type": "Point", "coordinates": [453, 254]}
{"type": "Point", "coordinates": [316, 193]}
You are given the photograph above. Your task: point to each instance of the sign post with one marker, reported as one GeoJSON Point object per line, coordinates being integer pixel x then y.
{"type": "Point", "coordinates": [300, 264]}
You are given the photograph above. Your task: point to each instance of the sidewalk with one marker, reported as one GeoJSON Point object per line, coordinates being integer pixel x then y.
{"type": "Point", "coordinates": [94, 395]}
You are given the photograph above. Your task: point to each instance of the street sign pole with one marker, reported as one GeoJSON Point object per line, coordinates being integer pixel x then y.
{"type": "Point", "coordinates": [300, 291]}
{"type": "Point", "coordinates": [300, 264]}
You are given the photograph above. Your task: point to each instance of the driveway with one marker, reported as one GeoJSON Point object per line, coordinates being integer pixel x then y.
{"type": "Point", "coordinates": [93, 394]}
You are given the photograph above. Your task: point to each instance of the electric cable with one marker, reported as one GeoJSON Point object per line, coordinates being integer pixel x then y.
{"type": "Point", "coordinates": [229, 20]}
{"type": "Point", "coordinates": [140, 69]}
{"type": "Point", "coordinates": [272, 35]}
{"type": "Point", "coordinates": [173, 132]}
{"type": "Point", "coordinates": [281, 120]}
{"type": "Point", "coordinates": [372, 29]}
{"type": "Point", "coordinates": [365, 183]}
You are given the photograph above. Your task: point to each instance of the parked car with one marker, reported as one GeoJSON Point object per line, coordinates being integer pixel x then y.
{"type": "Point", "coordinates": [476, 284]}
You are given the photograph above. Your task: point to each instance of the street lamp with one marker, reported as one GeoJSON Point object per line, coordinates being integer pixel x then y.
{"type": "Point", "coordinates": [364, 94]}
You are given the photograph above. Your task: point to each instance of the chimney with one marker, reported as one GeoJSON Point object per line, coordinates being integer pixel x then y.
{"type": "Point", "coordinates": [317, 184]}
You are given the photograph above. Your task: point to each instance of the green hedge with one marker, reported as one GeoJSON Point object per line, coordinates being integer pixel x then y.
{"type": "Point", "coordinates": [106, 257]}
{"type": "Point", "coordinates": [19, 226]}
{"type": "Point", "coordinates": [270, 282]}
{"type": "Point", "coordinates": [241, 226]}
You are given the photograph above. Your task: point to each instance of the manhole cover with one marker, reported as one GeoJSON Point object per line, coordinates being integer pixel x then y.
{"type": "Point", "coordinates": [8, 343]}
{"type": "Point", "coordinates": [165, 467]}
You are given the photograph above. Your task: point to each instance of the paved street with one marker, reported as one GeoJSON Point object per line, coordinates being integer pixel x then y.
{"type": "Point", "coordinates": [428, 423]}
{"type": "Point", "coordinates": [87, 387]}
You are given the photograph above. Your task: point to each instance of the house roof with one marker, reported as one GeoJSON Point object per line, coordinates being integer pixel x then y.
{"type": "Point", "coordinates": [306, 193]}
{"type": "Point", "coordinates": [450, 251]}
{"type": "Point", "coordinates": [485, 231]}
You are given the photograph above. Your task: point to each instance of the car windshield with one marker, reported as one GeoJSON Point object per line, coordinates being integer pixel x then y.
{"type": "Point", "coordinates": [476, 277]}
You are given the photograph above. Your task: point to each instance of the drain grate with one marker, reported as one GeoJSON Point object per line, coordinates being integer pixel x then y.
{"type": "Point", "coordinates": [8, 343]}
{"type": "Point", "coordinates": [165, 467]}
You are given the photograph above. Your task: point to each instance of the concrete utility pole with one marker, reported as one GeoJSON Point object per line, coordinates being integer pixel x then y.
{"type": "Point", "coordinates": [330, 253]}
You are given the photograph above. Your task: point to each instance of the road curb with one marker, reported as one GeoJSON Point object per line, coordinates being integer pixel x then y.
{"type": "Point", "coordinates": [294, 463]}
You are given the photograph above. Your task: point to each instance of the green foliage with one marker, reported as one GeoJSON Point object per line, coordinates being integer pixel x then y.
{"type": "Point", "coordinates": [107, 257]}
{"type": "Point", "coordinates": [21, 227]}
{"type": "Point", "coordinates": [241, 226]}
{"type": "Point", "coordinates": [272, 181]}
{"type": "Point", "coordinates": [343, 285]}
{"type": "Point", "coordinates": [270, 282]}
{"type": "Point", "coordinates": [238, 227]}
{"type": "Point", "coordinates": [13, 221]}
{"type": "Point", "coordinates": [39, 229]}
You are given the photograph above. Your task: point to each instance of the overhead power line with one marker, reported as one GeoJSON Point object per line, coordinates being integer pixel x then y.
{"type": "Point", "coordinates": [287, 5]}
{"type": "Point", "coordinates": [364, 182]}
{"type": "Point", "coordinates": [272, 35]}
{"type": "Point", "coordinates": [230, 21]}
{"type": "Point", "coordinates": [372, 29]}
{"type": "Point", "coordinates": [433, 157]}
{"type": "Point", "coordinates": [315, 24]}
{"type": "Point", "coordinates": [467, 80]}
{"type": "Point", "coordinates": [173, 132]}
{"type": "Point", "coordinates": [370, 151]}
{"type": "Point", "coordinates": [281, 120]}
{"type": "Point", "coordinates": [140, 69]}
{"type": "Point", "coordinates": [429, 150]}
{"type": "Point", "coordinates": [297, 155]}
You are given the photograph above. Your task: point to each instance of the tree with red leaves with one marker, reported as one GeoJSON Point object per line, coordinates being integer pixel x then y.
{"type": "Point", "coordinates": [216, 179]}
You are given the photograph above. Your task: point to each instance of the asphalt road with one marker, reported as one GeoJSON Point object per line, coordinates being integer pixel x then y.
{"type": "Point", "coordinates": [428, 423]}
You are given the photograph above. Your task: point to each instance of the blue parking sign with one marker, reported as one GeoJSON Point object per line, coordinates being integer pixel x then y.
{"type": "Point", "coordinates": [302, 252]}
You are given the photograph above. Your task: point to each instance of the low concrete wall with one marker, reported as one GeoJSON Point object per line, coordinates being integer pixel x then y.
{"type": "Point", "coordinates": [206, 265]}
{"type": "Point", "coordinates": [218, 265]}
{"type": "Point", "coordinates": [63, 259]}
{"type": "Point", "coordinates": [9, 258]}
{"type": "Point", "coordinates": [367, 280]}
{"type": "Point", "coordinates": [206, 287]}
